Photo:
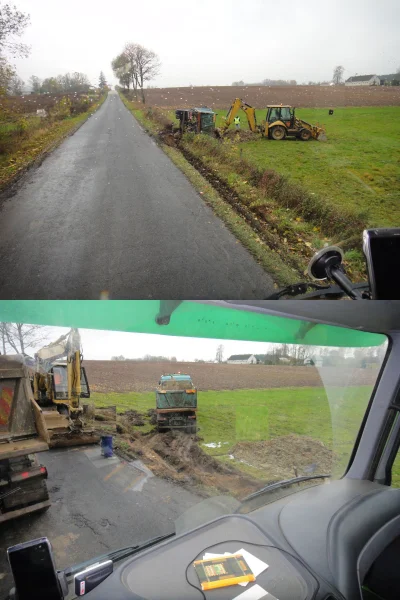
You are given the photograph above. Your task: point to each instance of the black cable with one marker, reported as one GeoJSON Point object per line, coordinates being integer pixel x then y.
{"type": "Point", "coordinates": [242, 543]}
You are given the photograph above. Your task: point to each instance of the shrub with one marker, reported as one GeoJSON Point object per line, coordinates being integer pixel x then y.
{"type": "Point", "coordinates": [61, 109]}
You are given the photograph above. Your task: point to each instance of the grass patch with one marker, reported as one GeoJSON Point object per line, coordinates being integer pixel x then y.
{"type": "Point", "coordinates": [357, 169]}
{"type": "Point", "coordinates": [302, 196]}
{"type": "Point", "coordinates": [228, 417]}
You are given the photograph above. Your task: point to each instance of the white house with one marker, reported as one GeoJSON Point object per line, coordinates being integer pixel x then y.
{"type": "Point", "coordinates": [363, 80]}
{"type": "Point", "coordinates": [242, 359]}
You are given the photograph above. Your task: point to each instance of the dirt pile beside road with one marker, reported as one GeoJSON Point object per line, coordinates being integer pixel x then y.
{"type": "Point", "coordinates": [286, 456]}
{"type": "Point", "coordinates": [178, 457]}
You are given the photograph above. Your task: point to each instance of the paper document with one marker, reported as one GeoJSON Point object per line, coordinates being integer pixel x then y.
{"type": "Point", "coordinates": [255, 564]}
{"type": "Point", "coordinates": [254, 593]}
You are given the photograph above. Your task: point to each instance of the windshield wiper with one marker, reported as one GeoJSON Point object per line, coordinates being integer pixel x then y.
{"type": "Point", "coordinates": [116, 555]}
{"type": "Point", "coordinates": [280, 484]}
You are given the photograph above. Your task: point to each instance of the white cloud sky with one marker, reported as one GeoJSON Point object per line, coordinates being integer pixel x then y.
{"type": "Point", "coordinates": [214, 43]}
{"type": "Point", "coordinates": [102, 345]}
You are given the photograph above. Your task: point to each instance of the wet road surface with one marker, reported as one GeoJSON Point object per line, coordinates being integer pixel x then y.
{"type": "Point", "coordinates": [108, 211]}
{"type": "Point", "coordinates": [98, 505]}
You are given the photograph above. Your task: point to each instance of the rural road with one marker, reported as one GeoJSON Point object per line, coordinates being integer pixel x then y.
{"type": "Point", "coordinates": [98, 505]}
{"type": "Point", "coordinates": [108, 211]}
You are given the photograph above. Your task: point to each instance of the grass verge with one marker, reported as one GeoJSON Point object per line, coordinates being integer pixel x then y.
{"type": "Point", "coordinates": [33, 149]}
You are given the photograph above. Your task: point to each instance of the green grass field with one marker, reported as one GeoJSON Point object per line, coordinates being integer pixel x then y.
{"type": "Point", "coordinates": [358, 167]}
{"type": "Point", "coordinates": [252, 415]}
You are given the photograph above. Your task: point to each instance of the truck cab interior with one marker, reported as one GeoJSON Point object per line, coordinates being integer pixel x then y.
{"type": "Point", "coordinates": [322, 538]}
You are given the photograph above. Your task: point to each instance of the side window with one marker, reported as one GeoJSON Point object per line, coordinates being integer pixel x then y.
{"type": "Point", "coordinates": [396, 471]}
{"type": "Point", "coordinates": [285, 113]}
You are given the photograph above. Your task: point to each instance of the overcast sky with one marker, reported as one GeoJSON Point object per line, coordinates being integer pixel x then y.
{"type": "Point", "coordinates": [215, 43]}
{"type": "Point", "coordinates": [105, 344]}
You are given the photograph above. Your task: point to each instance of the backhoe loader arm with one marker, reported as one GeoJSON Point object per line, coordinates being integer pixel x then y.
{"type": "Point", "coordinates": [233, 111]}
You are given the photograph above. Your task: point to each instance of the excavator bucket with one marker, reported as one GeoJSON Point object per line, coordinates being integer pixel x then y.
{"type": "Point", "coordinates": [64, 432]}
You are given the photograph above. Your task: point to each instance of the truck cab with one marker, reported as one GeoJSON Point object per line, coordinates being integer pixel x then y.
{"type": "Point", "coordinates": [196, 120]}
{"type": "Point", "coordinates": [176, 403]}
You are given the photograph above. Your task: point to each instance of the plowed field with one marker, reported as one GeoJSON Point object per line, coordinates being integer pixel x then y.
{"type": "Point", "coordinates": [130, 376]}
{"type": "Point", "coordinates": [300, 96]}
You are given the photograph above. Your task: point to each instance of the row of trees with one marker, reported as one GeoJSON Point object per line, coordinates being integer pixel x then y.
{"type": "Point", "coordinates": [337, 79]}
{"type": "Point", "coordinates": [70, 82]}
{"type": "Point", "coordinates": [146, 358]}
{"type": "Point", "coordinates": [134, 66]}
{"type": "Point", "coordinates": [267, 82]}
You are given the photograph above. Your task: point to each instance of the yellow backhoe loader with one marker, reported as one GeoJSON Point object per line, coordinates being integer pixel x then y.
{"type": "Point", "coordinates": [59, 382]}
{"type": "Point", "coordinates": [280, 122]}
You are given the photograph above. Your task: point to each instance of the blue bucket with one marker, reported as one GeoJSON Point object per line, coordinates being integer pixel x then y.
{"type": "Point", "coordinates": [106, 443]}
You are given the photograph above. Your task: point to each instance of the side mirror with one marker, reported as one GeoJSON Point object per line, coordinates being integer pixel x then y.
{"type": "Point", "coordinates": [321, 264]}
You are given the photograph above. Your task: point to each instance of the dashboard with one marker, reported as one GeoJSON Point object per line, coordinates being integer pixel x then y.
{"type": "Point", "coordinates": [319, 543]}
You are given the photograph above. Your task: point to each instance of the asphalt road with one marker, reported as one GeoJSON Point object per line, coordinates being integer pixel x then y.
{"type": "Point", "coordinates": [98, 505]}
{"type": "Point", "coordinates": [108, 211]}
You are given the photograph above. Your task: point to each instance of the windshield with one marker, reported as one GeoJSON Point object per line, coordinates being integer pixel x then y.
{"type": "Point", "coordinates": [241, 414]}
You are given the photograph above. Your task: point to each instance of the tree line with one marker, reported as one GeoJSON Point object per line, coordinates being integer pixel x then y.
{"type": "Point", "coordinates": [70, 82]}
{"type": "Point", "coordinates": [134, 66]}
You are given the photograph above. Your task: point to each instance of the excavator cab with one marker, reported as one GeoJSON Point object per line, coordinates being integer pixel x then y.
{"type": "Point", "coordinates": [60, 382]}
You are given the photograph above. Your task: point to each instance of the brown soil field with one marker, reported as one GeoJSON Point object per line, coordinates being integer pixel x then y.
{"type": "Point", "coordinates": [130, 376]}
{"type": "Point", "coordinates": [300, 96]}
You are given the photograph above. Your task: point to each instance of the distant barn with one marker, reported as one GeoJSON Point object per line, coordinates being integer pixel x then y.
{"type": "Point", "coordinates": [363, 80]}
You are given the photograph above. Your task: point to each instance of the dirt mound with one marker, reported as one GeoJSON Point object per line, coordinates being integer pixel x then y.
{"type": "Point", "coordinates": [239, 135]}
{"type": "Point", "coordinates": [133, 417]}
{"type": "Point", "coordinates": [177, 456]}
{"type": "Point", "coordinates": [286, 456]}
{"type": "Point", "coordinates": [151, 413]}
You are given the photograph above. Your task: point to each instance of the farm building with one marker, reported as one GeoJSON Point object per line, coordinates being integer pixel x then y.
{"type": "Point", "coordinates": [363, 80]}
{"type": "Point", "coordinates": [242, 359]}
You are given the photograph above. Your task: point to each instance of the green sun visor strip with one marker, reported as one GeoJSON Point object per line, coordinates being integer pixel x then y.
{"type": "Point", "coordinates": [182, 318]}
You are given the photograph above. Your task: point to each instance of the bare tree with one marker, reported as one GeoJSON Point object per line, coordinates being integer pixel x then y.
{"type": "Point", "coordinates": [15, 86]}
{"type": "Point", "coordinates": [136, 65]}
{"type": "Point", "coordinates": [12, 24]}
{"type": "Point", "coordinates": [35, 84]}
{"type": "Point", "coordinates": [19, 337]}
{"type": "Point", "coordinates": [121, 69]}
{"type": "Point", "coordinates": [7, 72]}
{"type": "Point", "coordinates": [338, 74]}
{"type": "Point", "coordinates": [147, 65]}
{"type": "Point", "coordinates": [219, 356]}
